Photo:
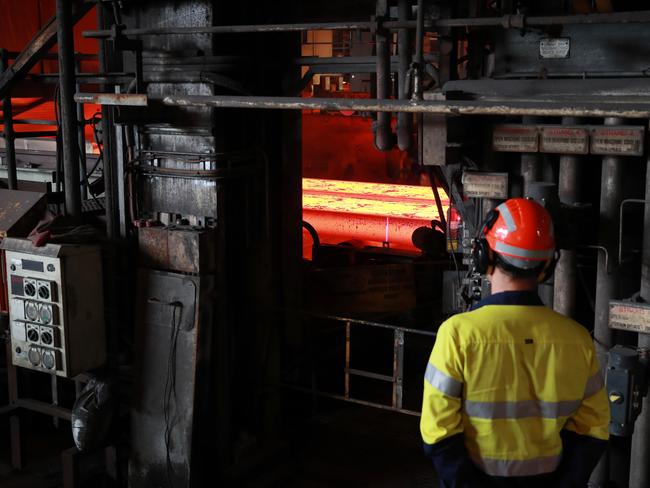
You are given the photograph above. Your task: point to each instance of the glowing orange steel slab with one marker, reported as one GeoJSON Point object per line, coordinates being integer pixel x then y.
{"type": "Point", "coordinates": [374, 213]}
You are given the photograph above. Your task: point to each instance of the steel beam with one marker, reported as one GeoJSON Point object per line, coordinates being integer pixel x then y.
{"type": "Point", "coordinates": [506, 22]}
{"type": "Point", "coordinates": [10, 147]}
{"type": "Point", "coordinates": [548, 108]}
{"type": "Point", "coordinates": [383, 131]}
{"type": "Point", "coordinates": [640, 469]}
{"type": "Point", "coordinates": [564, 300]}
{"type": "Point", "coordinates": [404, 121]}
{"type": "Point", "coordinates": [611, 195]}
{"type": "Point", "coordinates": [37, 48]}
{"type": "Point", "coordinates": [69, 133]}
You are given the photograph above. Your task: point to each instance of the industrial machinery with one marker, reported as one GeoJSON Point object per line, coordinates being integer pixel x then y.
{"type": "Point", "coordinates": [292, 189]}
{"type": "Point", "coordinates": [56, 307]}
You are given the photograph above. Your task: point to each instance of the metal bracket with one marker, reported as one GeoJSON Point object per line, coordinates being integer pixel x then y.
{"type": "Point", "coordinates": [620, 224]}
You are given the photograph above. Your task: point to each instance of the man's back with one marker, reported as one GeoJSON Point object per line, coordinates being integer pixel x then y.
{"type": "Point", "coordinates": [510, 377]}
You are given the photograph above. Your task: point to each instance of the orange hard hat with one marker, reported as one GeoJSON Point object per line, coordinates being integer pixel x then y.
{"type": "Point", "coordinates": [522, 233]}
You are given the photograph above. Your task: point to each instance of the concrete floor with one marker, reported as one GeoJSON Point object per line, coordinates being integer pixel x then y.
{"type": "Point", "coordinates": [361, 447]}
{"type": "Point", "coordinates": [346, 446]}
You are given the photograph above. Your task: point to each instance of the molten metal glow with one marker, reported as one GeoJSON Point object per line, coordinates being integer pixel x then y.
{"type": "Point", "coordinates": [373, 213]}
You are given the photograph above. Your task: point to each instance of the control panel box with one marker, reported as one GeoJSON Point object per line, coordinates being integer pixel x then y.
{"type": "Point", "coordinates": [56, 307]}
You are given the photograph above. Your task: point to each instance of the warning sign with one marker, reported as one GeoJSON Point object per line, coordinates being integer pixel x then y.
{"type": "Point", "coordinates": [485, 185]}
{"type": "Point", "coordinates": [564, 140]}
{"type": "Point", "coordinates": [629, 316]}
{"type": "Point", "coordinates": [554, 48]}
{"type": "Point", "coordinates": [617, 141]}
{"type": "Point", "coordinates": [515, 138]}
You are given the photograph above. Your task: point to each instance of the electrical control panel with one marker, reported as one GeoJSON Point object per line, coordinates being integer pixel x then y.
{"type": "Point", "coordinates": [56, 307]}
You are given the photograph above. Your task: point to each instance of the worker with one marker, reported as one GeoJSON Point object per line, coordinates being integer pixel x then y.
{"type": "Point", "coordinates": [513, 392]}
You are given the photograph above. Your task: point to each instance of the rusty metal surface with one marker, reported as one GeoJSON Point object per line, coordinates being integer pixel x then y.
{"type": "Point", "coordinates": [19, 212]}
{"type": "Point", "coordinates": [605, 108]}
{"type": "Point", "coordinates": [608, 47]}
{"type": "Point", "coordinates": [166, 303]}
{"type": "Point", "coordinates": [628, 107]}
{"type": "Point", "coordinates": [121, 99]}
{"type": "Point", "coordinates": [184, 249]}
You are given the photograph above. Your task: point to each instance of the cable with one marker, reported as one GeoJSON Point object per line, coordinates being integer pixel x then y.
{"type": "Point", "coordinates": [170, 389]}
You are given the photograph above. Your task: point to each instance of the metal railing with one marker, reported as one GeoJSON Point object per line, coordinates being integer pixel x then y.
{"type": "Point", "coordinates": [396, 379]}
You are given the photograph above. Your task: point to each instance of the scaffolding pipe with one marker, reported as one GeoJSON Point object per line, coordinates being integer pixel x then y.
{"type": "Point", "coordinates": [105, 63]}
{"type": "Point", "coordinates": [639, 468]}
{"type": "Point", "coordinates": [564, 300]}
{"type": "Point", "coordinates": [68, 108]}
{"type": "Point", "coordinates": [546, 108]}
{"type": "Point", "coordinates": [10, 146]}
{"type": "Point", "coordinates": [81, 139]}
{"type": "Point", "coordinates": [506, 22]}
{"type": "Point", "coordinates": [383, 131]}
{"type": "Point", "coordinates": [611, 195]}
{"type": "Point", "coordinates": [404, 120]}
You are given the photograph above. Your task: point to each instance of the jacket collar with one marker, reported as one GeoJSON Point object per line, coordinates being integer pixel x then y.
{"type": "Point", "coordinates": [511, 298]}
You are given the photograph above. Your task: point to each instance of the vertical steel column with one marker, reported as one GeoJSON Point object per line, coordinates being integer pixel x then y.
{"type": "Point", "coordinates": [640, 469]}
{"type": "Point", "coordinates": [81, 138]}
{"type": "Point", "coordinates": [531, 164]}
{"type": "Point", "coordinates": [565, 272]}
{"type": "Point", "coordinates": [68, 108]}
{"type": "Point", "coordinates": [404, 120]}
{"type": "Point", "coordinates": [347, 360]}
{"type": "Point", "coordinates": [10, 146]}
{"type": "Point", "coordinates": [105, 63]}
{"type": "Point", "coordinates": [383, 132]}
{"type": "Point", "coordinates": [398, 368]}
{"type": "Point", "coordinates": [611, 195]}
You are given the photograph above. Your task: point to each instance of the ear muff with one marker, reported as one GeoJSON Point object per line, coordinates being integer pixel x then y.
{"type": "Point", "coordinates": [482, 256]}
{"type": "Point", "coordinates": [549, 268]}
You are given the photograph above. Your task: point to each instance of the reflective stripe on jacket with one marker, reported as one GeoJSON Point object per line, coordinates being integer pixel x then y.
{"type": "Point", "coordinates": [510, 378]}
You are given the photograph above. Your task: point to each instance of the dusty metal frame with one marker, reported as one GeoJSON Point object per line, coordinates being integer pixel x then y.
{"type": "Point", "coordinates": [396, 379]}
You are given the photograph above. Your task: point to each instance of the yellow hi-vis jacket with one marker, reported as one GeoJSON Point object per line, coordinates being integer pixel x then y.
{"type": "Point", "coordinates": [510, 378]}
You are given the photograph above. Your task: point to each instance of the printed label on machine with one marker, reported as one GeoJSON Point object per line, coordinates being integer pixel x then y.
{"type": "Point", "coordinates": [623, 141]}
{"type": "Point", "coordinates": [629, 316]}
{"type": "Point", "coordinates": [554, 48]}
{"type": "Point", "coordinates": [515, 138]}
{"type": "Point", "coordinates": [485, 185]}
{"type": "Point", "coordinates": [564, 140]}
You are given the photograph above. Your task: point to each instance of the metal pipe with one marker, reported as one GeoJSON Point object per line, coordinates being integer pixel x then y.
{"type": "Point", "coordinates": [10, 147]}
{"type": "Point", "coordinates": [419, 34]}
{"type": "Point", "coordinates": [112, 214]}
{"type": "Point", "coordinates": [531, 163]}
{"type": "Point", "coordinates": [382, 128]}
{"type": "Point", "coordinates": [506, 21]}
{"type": "Point", "coordinates": [404, 120]}
{"type": "Point", "coordinates": [81, 140]}
{"type": "Point", "coordinates": [68, 109]}
{"type": "Point", "coordinates": [546, 108]}
{"type": "Point", "coordinates": [611, 195]}
{"type": "Point", "coordinates": [620, 224]}
{"type": "Point", "coordinates": [564, 299]}
{"type": "Point", "coordinates": [639, 469]}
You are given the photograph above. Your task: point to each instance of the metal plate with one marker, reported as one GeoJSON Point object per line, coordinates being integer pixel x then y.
{"type": "Point", "coordinates": [617, 141]}
{"type": "Point", "coordinates": [564, 140]}
{"type": "Point", "coordinates": [485, 185]}
{"type": "Point", "coordinates": [19, 212]}
{"type": "Point", "coordinates": [515, 138]}
{"type": "Point", "coordinates": [629, 316]}
{"type": "Point", "coordinates": [554, 48]}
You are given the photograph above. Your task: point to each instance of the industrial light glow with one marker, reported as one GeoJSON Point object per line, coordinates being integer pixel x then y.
{"type": "Point", "coordinates": [370, 213]}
